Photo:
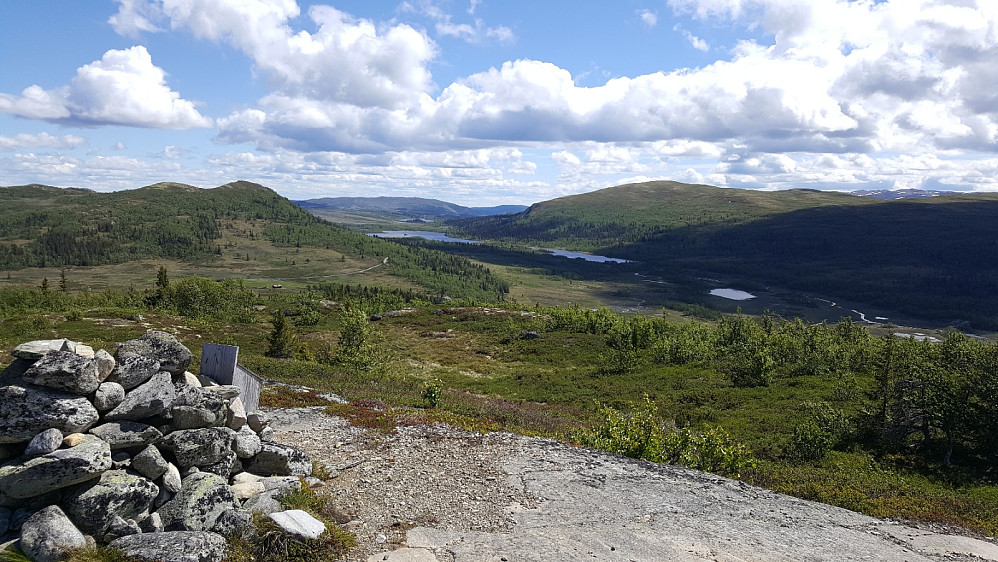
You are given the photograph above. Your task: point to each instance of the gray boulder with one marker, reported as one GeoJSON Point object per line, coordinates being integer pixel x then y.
{"type": "Point", "coordinates": [177, 546]}
{"type": "Point", "coordinates": [223, 391]}
{"type": "Point", "coordinates": [26, 411]}
{"type": "Point", "coordinates": [234, 522]}
{"type": "Point", "coordinates": [108, 396]}
{"type": "Point", "coordinates": [191, 417]}
{"type": "Point", "coordinates": [149, 399]}
{"type": "Point", "coordinates": [125, 434]}
{"type": "Point", "coordinates": [247, 444]}
{"type": "Point", "coordinates": [227, 466]}
{"type": "Point", "coordinates": [150, 463]}
{"type": "Point", "coordinates": [164, 347]}
{"type": "Point", "coordinates": [64, 370]}
{"type": "Point", "coordinates": [235, 415]}
{"type": "Point", "coordinates": [105, 364]}
{"type": "Point", "coordinates": [257, 421]}
{"type": "Point", "coordinates": [56, 470]}
{"type": "Point", "coordinates": [134, 370]}
{"type": "Point", "coordinates": [48, 534]}
{"type": "Point", "coordinates": [197, 507]}
{"type": "Point", "coordinates": [196, 447]}
{"type": "Point", "coordinates": [116, 493]}
{"type": "Point", "coordinates": [152, 524]}
{"type": "Point", "coordinates": [35, 350]}
{"type": "Point", "coordinates": [44, 443]}
{"type": "Point", "coordinates": [280, 460]}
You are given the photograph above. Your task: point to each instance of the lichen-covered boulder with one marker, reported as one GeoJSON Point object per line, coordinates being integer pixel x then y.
{"type": "Point", "coordinates": [280, 460]}
{"type": "Point", "coordinates": [225, 467]}
{"type": "Point", "coordinates": [26, 411]}
{"type": "Point", "coordinates": [64, 370]}
{"type": "Point", "coordinates": [148, 399]}
{"type": "Point", "coordinates": [134, 370]}
{"type": "Point", "coordinates": [196, 447]}
{"type": "Point", "coordinates": [48, 534]}
{"type": "Point", "coordinates": [126, 434]}
{"type": "Point", "coordinates": [56, 470]}
{"type": "Point", "coordinates": [161, 346]}
{"type": "Point", "coordinates": [177, 546]}
{"type": "Point", "coordinates": [116, 493]}
{"type": "Point", "coordinates": [191, 417]}
{"type": "Point", "coordinates": [197, 507]}
{"type": "Point", "coordinates": [247, 443]}
{"type": "Point", "coordinates": [150, 463]}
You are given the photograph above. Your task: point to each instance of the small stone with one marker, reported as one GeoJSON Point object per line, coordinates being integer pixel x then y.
{"type": "Point", "coordinates": [234, 522]}
{"type": "Point", "coordinates": [152, 524]}
{"type": "Point", "coordinates": [247, 443]}
{"type": "Point", "coordinates": [44, 443]}
{"type": "Point", "coordinates": [223, 391]}
{"type": "Point", "coordinates": [191, 380]}
{"type": "Point", "coordinates": [73, 439]}
{"type": "Point", "coordinates": [235, 417]}
{"type": "Point", "coordinates": [105, 364]}
{"type": "Point", "coordinates": [149, 399]}
{"type": "Point", "coordinates": [267, 435]}
{"type": "Point", "coordinates": [206, 381]}
{"type": "Point", "coordinates": [48, 534]}
{"type": "Point", "coordinates": [108, 396]}
{"type": "Point", "coordinates": [247, 490]}
{"type": "Point", "coordinates": [191, 417]}
{"type": "Point", "coordinates": [150, 463]}
{"type": "Point", "coordinates": [281, 460]}
{"type": "Point", "coordinates": [134, 370]}
{"type": "Point", "coordinates": [121, 528]}
{"type": "Point", "coordinates": [299, 523]}
{"type": "Point", "coordinates": [84, 351]}
{"type": "Point", "coordinates": [196, 447]}
{"type": "Point", "coordinates": [171, 478]}
{"type": "Point", "coordinates": [257, 421]}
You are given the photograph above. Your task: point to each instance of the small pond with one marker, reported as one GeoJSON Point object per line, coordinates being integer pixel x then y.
{"type": "Point", "coordinates": [732, 294]}
{"type": "Point", "coordinates": [584, 256]}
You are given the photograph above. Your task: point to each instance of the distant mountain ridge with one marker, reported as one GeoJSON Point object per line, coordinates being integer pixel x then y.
{"type": "Point", "coordinates": [893, 194]}
{"type": "Point", "coordinates": [408, 207]}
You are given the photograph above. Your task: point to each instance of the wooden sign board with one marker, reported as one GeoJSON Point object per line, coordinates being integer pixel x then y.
{"type": "Point", "coordinates": [220, 363]}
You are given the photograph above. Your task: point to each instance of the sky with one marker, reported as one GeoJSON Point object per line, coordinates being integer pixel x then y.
{"type": "Point", "coordinates": [487, 102]}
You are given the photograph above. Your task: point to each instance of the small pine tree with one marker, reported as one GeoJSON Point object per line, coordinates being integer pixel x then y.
{"type": "Point", "coordinates": [162, 281]}
{"type": "Point", "coordinates": [62, 281]}
{"type": "Point", "coordinates": [283, 340]}
{"type": "Point", "coordinates": [45, 285]}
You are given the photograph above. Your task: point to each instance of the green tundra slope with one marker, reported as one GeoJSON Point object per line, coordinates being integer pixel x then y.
{"type": "Point", "coordinates": [42, 226]}
{"type": "Point", "coordinates": [933, 258]}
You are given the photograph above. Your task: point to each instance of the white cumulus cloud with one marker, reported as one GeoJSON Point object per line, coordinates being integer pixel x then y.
{"type": "Point", "coordinates": [124, 87]}
{"type": "Point", "coordinates": [40, 140]}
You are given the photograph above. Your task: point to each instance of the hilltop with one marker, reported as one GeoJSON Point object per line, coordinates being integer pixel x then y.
{"type": "Point", "coordinates": [930, 258]}
{"type": "Point", "coordinates": [235, 227]}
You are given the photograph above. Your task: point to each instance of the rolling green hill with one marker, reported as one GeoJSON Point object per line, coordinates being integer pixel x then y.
{"type": "Point", "coordinates": [42, 226]}
{"type": "Point", "coordinates": [403, 207]}
{"type": "Point", "coordinates": [933, 258]}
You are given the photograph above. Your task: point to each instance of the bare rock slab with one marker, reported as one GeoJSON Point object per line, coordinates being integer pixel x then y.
{"type": "Point", "coordinates": [48, 534]}
{"type": "Point", "coordinates": [196, 447]}
{"type": "Point", "coordinates": [126, 434]}
{"type": "Point", "coordinates": [176, 546]}
{"type": "Point", "coordinates": [56, 470]}
{"type": "Point", "coordinates": [26, 411]}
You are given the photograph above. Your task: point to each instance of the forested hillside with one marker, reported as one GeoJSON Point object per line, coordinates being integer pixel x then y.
{"type": "Point", "coordinates": [43, 226]}
{"type": "Point", "coordinates": [933, 258]}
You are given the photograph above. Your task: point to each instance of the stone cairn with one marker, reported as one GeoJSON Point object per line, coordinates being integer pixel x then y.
{"type": "Point", "coordinates": [134, 451]}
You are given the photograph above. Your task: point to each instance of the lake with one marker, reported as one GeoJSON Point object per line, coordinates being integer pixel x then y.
{"type": "Point", "coordinates": [732, 294]}
{"type": "Point", "coordinates": [425, 234]}
{"type": "Point", "coordinates": [583, 256]}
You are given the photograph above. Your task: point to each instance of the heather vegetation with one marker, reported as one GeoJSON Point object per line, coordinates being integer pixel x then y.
{"type": "Point", "coordinates": [886, 425]}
